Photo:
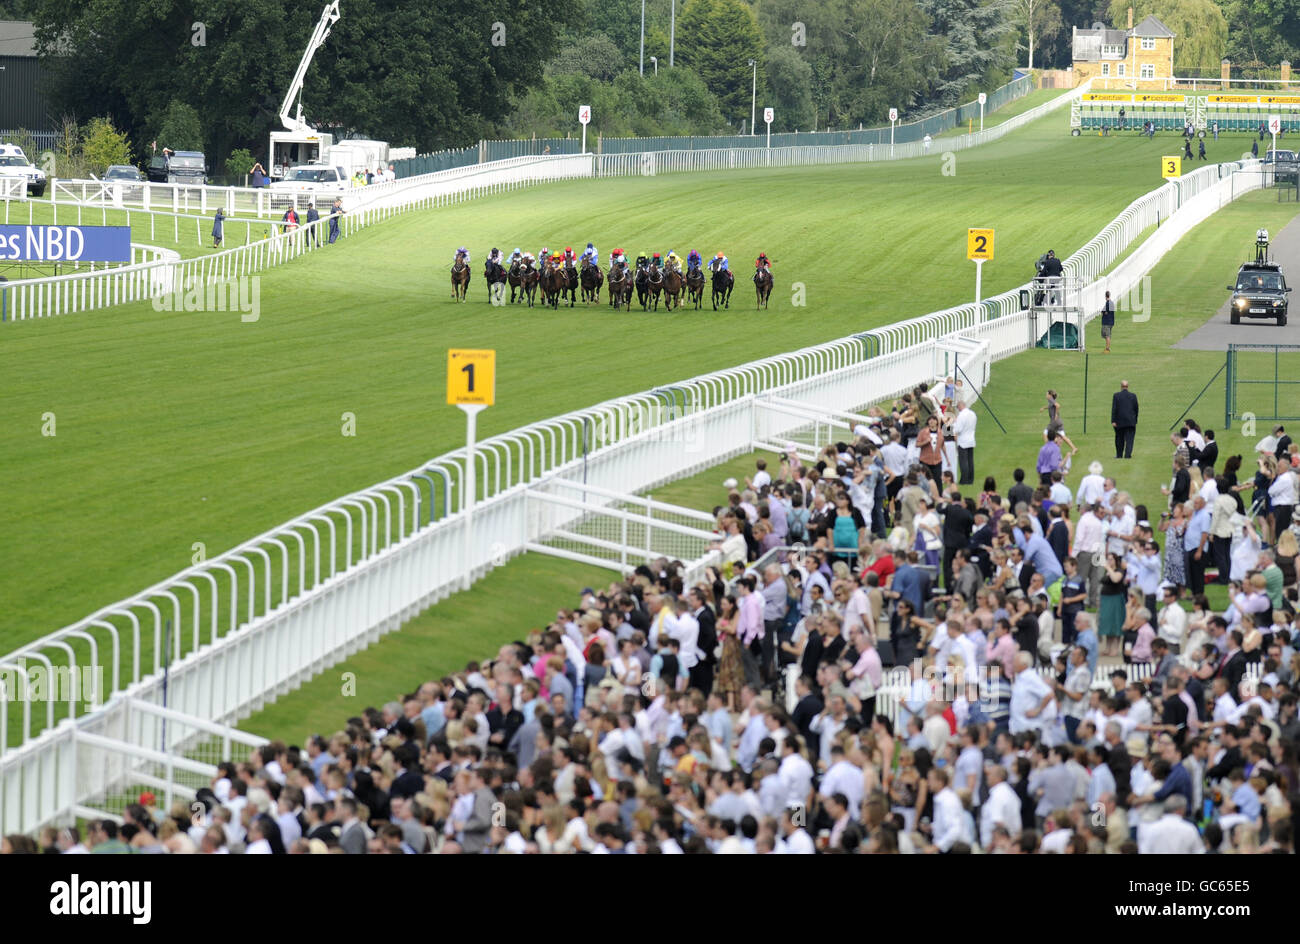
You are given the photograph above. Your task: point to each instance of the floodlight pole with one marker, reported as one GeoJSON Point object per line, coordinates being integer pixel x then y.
{"type": "Point", "coordinates": [753, 100]}
{"type": "Point", "coordinates": [642, 37]}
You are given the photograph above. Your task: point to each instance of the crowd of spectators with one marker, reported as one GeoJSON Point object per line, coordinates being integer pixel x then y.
{"type": "Point", "coordinates": [1066, 686]}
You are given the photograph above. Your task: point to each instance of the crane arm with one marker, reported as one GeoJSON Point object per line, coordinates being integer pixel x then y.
{"type": "Point", "coordinates": [294, 122]}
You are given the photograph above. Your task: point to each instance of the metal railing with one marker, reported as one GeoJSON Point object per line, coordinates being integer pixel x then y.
{"type": "Point", "coordinates": [237, 631]}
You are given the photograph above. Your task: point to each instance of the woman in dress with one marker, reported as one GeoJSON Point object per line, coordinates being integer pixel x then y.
{"type": "Point", "coordinates": [1231, 472]}
{"type": "Point", "coordinates": [990, 488]}
{"type": "Point", "coordinates": [731, 667]}
{"type": "Point", "coordinates": [1054, 421]}
{"type": "Point", "coordinates": [1172, 525]}
{"type": "Point", "coordinates": [1285, 554]}
{"type": "Point", "coordinates": [928, 538]}
{"type": "Point", "coordinates": [1110, 613]}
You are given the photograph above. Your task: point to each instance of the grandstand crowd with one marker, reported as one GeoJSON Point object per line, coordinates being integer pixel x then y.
{"type": "Point", "coordinates": [881, 660]}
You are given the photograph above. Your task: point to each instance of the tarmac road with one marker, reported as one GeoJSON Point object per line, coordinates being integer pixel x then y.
{"type": "Point", "coordinates": [1217, 333]}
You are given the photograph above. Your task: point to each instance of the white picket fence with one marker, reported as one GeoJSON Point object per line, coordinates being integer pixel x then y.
{"type": "Point", "coordinates": [242, 629]}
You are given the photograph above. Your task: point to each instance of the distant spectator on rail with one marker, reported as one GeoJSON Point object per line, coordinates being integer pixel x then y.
{"type": "Point", "coordinates": [1201, 148]}
{"type": "Point", "coordinates": [313, 232]}
{"type": "Point", "coordinates": [258, 176]}
{"type": "Point", "coordinates": [1187, 149]}
{"type": "Point", "coordinates": [1107, 321]}
{"type": "Point", "coordinates": [217, 222]}
{"type": "Point", "coordinates": [335, 212]}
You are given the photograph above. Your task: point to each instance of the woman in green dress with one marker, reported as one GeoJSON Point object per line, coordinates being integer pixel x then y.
{"type": "Point", "coordinates": [1110, 615]}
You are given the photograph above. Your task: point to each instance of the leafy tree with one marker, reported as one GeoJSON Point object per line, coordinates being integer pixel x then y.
{"type": "Point", "coordinates": [239, 163]}
{"type": "Point", "coordinates": [1040, 21]}
{"type": "Point", "coordinates": [978, 40]}
{"type": "Point", "coordinates": [790, 79]}
{"type": "Point", "coordinates": [595, 56]}
{"type": "Point", "coordinates": [717, 39]}
{"type": "Point", "coordinates": [104, 145]}
{"type": "Point", "coordinates": [1261, 30]}
{"type": "Point", "coordinates": [178, 128]}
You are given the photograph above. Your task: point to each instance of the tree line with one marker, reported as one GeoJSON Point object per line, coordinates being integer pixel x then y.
{"type": "Point", "coordinates": [436, 74]}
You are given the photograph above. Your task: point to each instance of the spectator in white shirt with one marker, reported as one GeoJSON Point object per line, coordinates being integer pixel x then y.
{"type": "Point", "coordinates": [796, 774]}
{"type": "Point", "coordinates": [1002, 808]}
{"type": "Point", "coordinates": [1172, 834]}
{"type": "Point", "coordinates": [951, 825]}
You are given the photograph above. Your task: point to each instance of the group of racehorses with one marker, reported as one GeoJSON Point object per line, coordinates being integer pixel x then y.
{"type": "Point", "coordinates": [560, 279]}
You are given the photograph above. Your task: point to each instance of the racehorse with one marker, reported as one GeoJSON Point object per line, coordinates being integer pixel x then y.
{"type": "Point", "coordinates": [695, 285]}
{"type": "Point", "coordinates": [516, 279]}
{"type": "Point", "coordinates": [570, 283]}
{"type": "Point", "coordinates": [620, 285]}
{"type": "Point", "coordinates": [553, 284]}
{"type": "Point", "coordinates": [460, 278]}
{"type": "Point", "coordinates": [528, 283]}
{"type": "Point", "coordinates": [642, 284]}
{"type": "Point", "coordinates": [763, 285]}
{"type": "Point", "coordinates": [495, 275]}
{"type": "Point", "coordinates": [673, 284]}
{"type": "Point", "coordinates": [656, 284]}
{"type": "Point", "coordinates": [723, 283]}
{"type": "Point", "coordinates": [592, 280]}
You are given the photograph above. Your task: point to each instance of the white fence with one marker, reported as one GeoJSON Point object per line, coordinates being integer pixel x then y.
{"type": "Point", "coordinates": [242, 629]}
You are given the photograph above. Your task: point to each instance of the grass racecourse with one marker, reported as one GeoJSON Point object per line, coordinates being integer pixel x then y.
{"type": "Point", "coordinates": [176, 428]}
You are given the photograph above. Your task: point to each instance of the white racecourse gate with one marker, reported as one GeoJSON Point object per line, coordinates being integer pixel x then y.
{"type": "Point", "coordinates": [232, 634]}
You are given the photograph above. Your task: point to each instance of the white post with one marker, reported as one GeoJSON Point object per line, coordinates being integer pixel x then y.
{"type": "Point", "coordinates": [979, 272]}
{"type": "Point", "coordinates": [981, 114]}
{"type": "Point", "coordinates": [769, 135]}
{"type": "Point", "coordinates": [584, 139]}
{"type": "Point", "coordinates": [672, 32]}
{"type": "Point", "coordinates": [472, 411]}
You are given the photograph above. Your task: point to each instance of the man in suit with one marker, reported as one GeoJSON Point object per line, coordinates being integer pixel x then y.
{"type": "Point", "coordinates": [1124, 418]}
{"type": "Point", "coordinates": [702, 673]}
{"type": "Point", "coordinates": [958, 523]}
{"type": "Point", "coordinates": [352, 837]}
{"type": "Point", "coordinates": [474, 831]}
{"type": "Point", "coordinates": [1233, 666]}
{"type": "Point", "coordinates": [808, 707]}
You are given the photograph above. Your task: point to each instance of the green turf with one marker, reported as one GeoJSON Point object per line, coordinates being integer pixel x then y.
{"type": "Point", "coordinates": [1019, 106]}
{"type": "Point", "coordinates": [178, 428]}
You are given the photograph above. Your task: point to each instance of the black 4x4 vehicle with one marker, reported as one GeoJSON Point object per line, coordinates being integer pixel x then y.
{"type": "Point", "coordinates": [1260, 292]}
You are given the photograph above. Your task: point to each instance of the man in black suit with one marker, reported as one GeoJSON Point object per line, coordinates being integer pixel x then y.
{"type": "Point", "coordinates": [702, 673]}
{"type": "Point", "coordinates": [1124, 417]}
{"type": "Point", "coordinates": [1233, 666]}
{"type": "Point", "coordinates": [1020, 492]}
{"type": "Point", "coordinates": [806, 710]}
{"type": "Point", "coordinates": [958, 523]}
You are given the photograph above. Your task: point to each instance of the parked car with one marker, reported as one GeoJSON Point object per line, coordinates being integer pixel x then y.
{"type": "Point", "coordinates": [123, 172]}
{"type": "Point", "coordinates": [17, 165]}
{"type": "Point", "coordinates": [1260, 292]}
{"type": "Point", "coordinates": [179, 167]}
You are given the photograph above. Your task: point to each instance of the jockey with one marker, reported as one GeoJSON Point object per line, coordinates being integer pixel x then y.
{"type": "Point", "coordinates": [568, 255]}
{"type": "Point", "coordinates": [516, 256]}
{"type": "Point", "coordinates": [526, 258]}
{"type": "Point", "coordinates": [692, 260]}
{"type": "Point", "coordinates": [657, 261]}
{"type": "Point", "coordinates": [724, 262]}
{"type": "Point", "coordinates": [642, 260]}
{"type": "Point", "coordinates": [544, 255]}
{"type": "Point", "coordinates": [591, 254]}
{"type": "Point", "coordinates": [673, 261]}
{"type": "Point", "coordinates": [762, 262]}
{"type": "Point", "coordinates": [617, 256]}
{"type": "Point", "coordinates": [462, 251]}
{"type": "Point", "coordinates": [494, 256]}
